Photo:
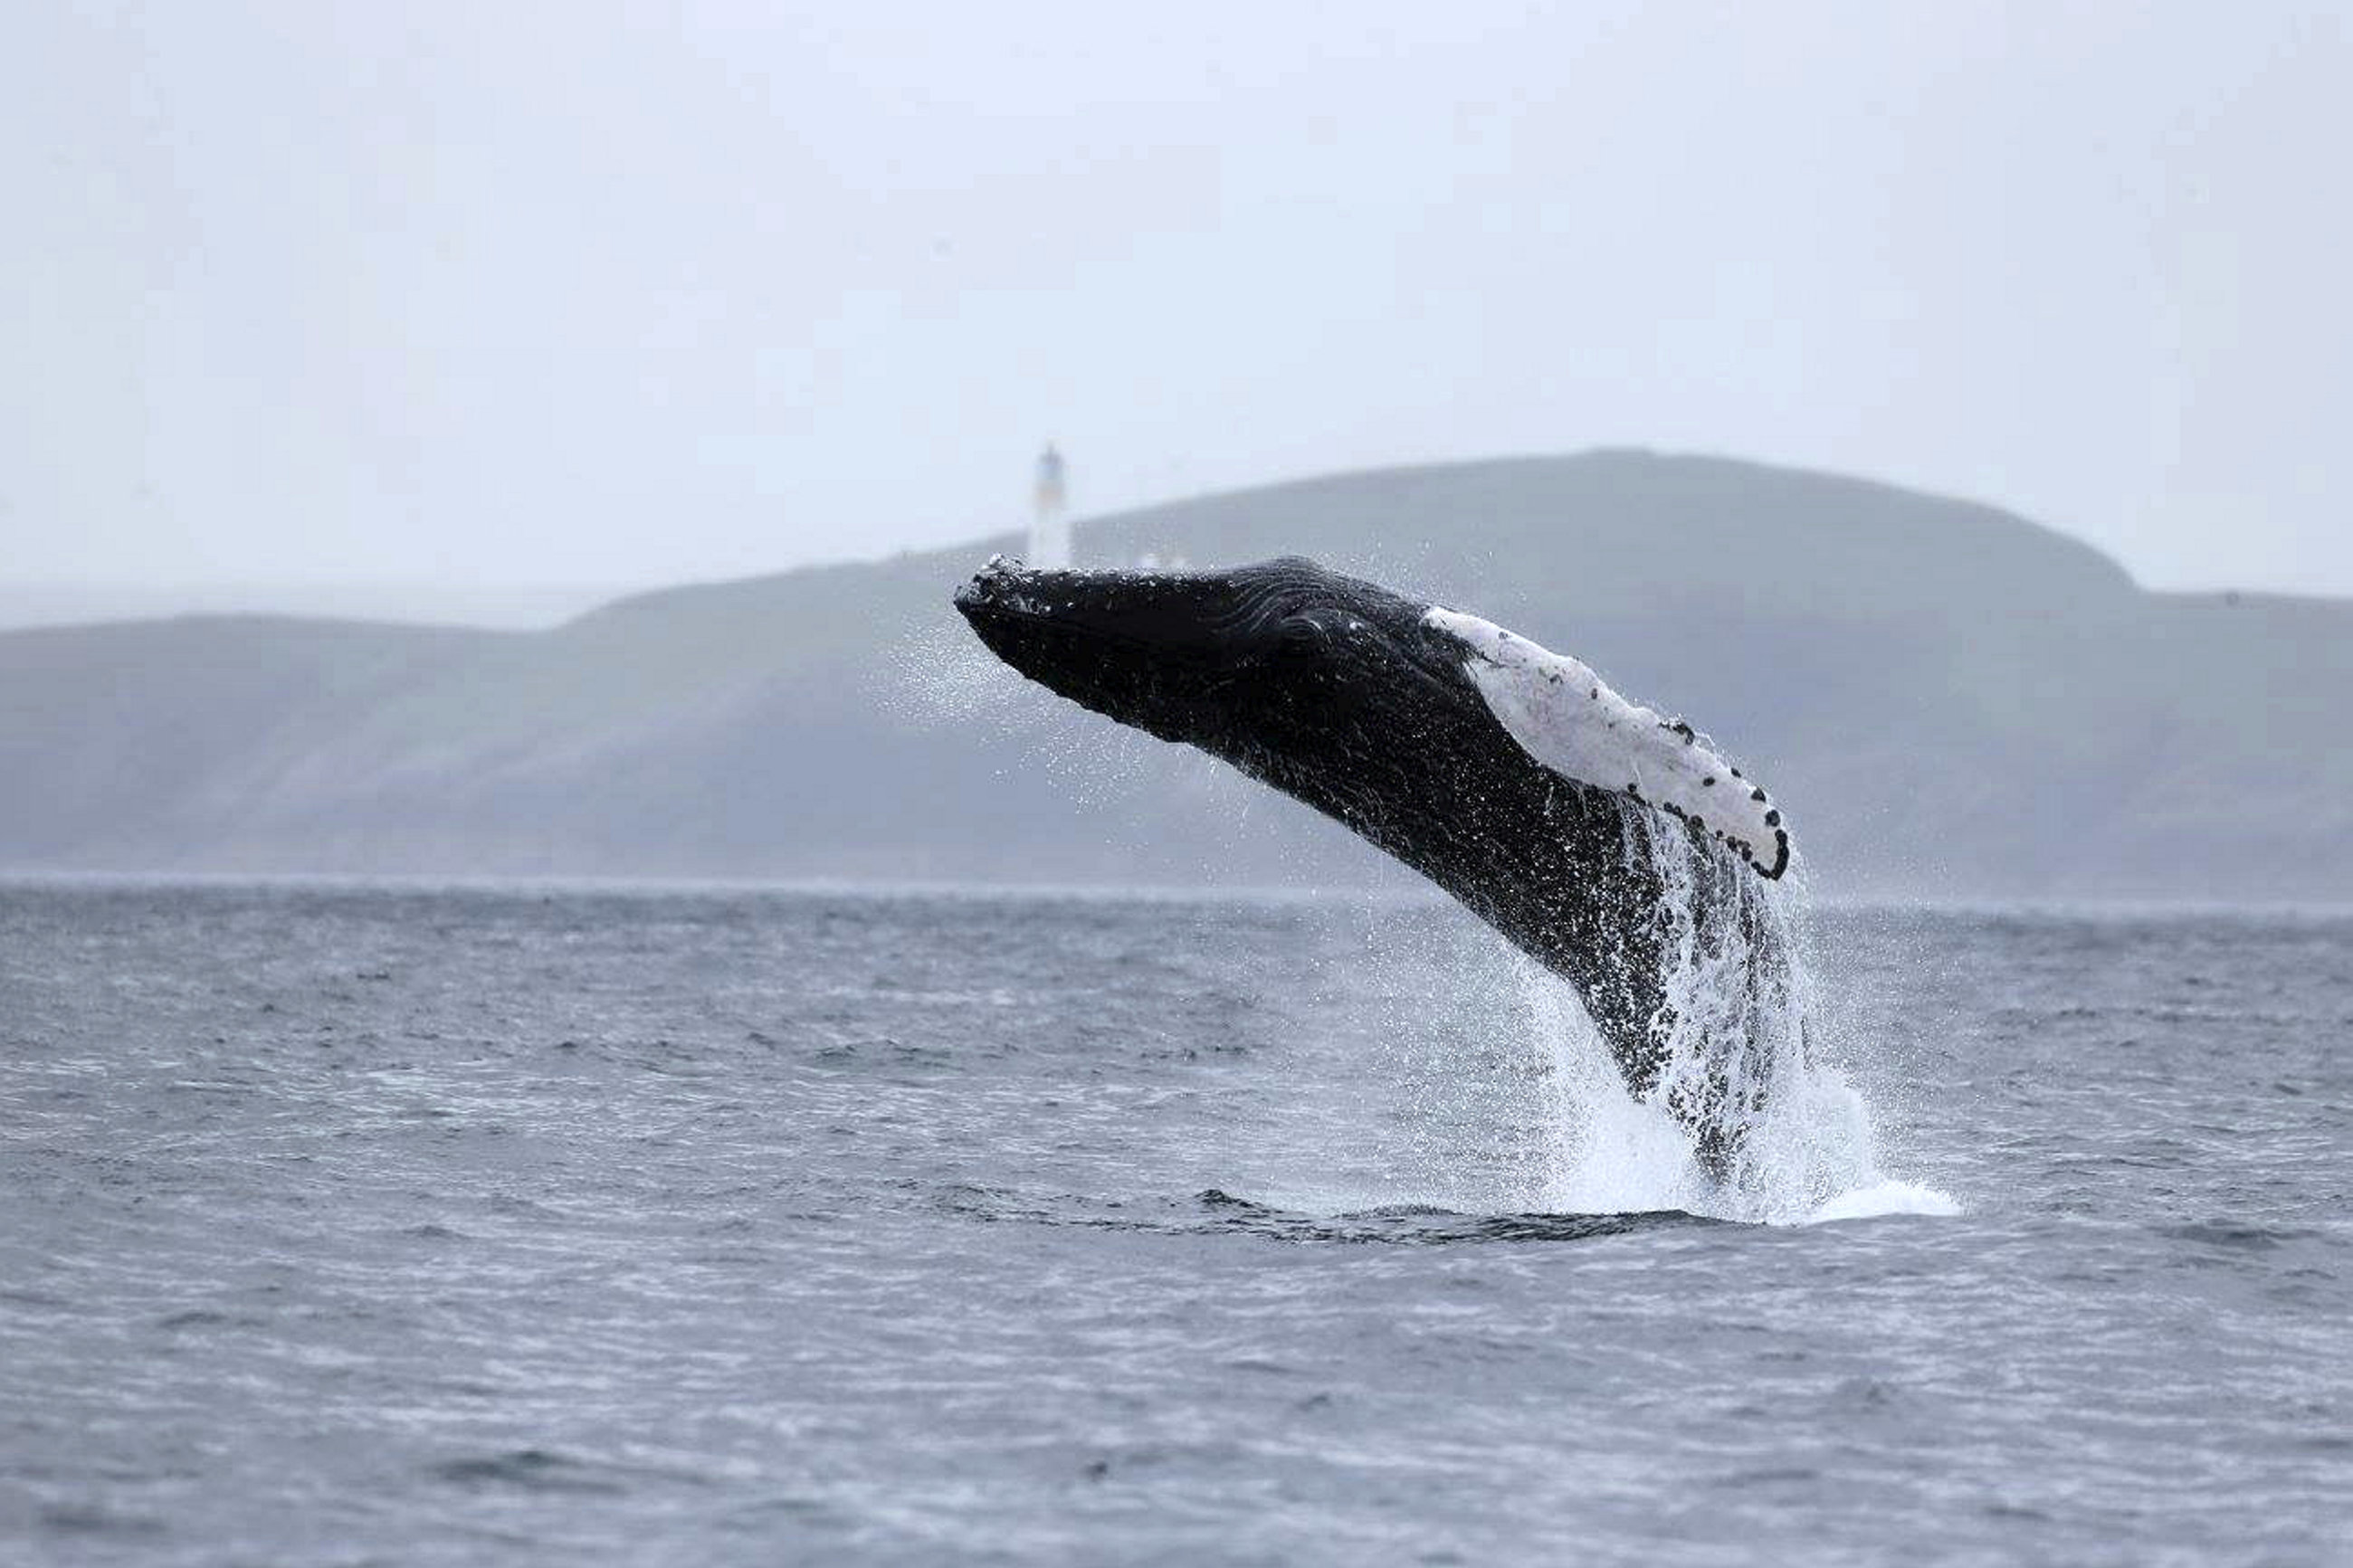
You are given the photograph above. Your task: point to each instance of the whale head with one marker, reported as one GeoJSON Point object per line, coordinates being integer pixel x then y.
{"type": "Point", "coordinates": [1365, 703]}
{"type": "Point", "coordinates": [1262, 665]}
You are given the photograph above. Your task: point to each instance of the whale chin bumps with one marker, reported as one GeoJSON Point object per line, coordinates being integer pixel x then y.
{"type": "Point", "coordinates": [1502, 772]}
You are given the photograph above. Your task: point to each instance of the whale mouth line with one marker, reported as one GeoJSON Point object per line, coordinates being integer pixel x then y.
{"type": "Point", "coordinates": [1019, 611]}
{"type": "Point", "coordinates": [1129, 613]}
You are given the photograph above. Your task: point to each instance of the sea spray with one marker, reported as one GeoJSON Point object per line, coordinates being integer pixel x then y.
{"type": "Point", "coordinates": [1735, 1042]}
{"type": "Point", "coordinates": [937, 675]}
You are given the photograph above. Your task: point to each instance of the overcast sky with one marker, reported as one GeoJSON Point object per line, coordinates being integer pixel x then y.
{"type": "Point", "coordinates": [590, 293]}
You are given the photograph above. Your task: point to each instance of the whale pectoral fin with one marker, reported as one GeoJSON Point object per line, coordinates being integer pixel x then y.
{"type": "Point", "coordinates": [1568, 719]}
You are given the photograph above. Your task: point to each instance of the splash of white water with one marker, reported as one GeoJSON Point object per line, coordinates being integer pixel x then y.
{"type": "Point", "coordinates": [1733, 1025]}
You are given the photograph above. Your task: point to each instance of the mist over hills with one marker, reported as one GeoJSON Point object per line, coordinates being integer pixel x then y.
{"type": "Point", "coordinates": [1947, 698]}
{"type": "Point", "coordinates": [520, 608]}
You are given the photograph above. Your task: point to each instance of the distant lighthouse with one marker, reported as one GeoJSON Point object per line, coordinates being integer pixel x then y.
{"type": "Point", "coordinates": [1049, 525]}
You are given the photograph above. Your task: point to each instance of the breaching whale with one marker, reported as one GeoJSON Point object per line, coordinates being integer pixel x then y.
{"type": "Point", "coordinates": [1511, 776]}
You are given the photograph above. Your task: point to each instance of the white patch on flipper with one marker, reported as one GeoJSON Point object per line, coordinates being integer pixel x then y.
{"type": "Point", "coordinates": [1567, 718]}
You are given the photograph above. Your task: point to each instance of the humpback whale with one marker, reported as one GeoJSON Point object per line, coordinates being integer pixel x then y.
{"type": "Point", "coordinates": [1511, 776]}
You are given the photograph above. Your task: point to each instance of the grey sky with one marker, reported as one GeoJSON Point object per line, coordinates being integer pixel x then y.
{"type": "Point", "coordinates": [583, 294]}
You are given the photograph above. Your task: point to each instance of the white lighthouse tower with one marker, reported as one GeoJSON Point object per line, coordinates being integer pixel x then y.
{"type": "Point", "coordinates": [1049, 525]}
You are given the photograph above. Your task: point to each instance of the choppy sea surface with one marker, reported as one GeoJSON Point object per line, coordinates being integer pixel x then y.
{"type": "Point", "coordinates": [346, 1224]}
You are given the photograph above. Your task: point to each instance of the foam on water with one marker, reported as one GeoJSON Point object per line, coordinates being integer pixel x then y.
{"type": "Point", "coordinates": [1886, 1198]}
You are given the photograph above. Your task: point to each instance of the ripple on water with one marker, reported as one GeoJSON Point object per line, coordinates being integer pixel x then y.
{"type": "Point", "coordinates": [528, 1470]}
{"type": "Point", "coordinates": [910, 1229]}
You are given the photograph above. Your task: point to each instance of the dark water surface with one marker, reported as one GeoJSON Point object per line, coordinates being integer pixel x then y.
{"type": "Point", "coordinates": [424, 1226]}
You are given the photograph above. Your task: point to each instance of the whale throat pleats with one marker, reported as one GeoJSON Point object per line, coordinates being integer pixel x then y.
{"type": "Point", "coordinates": [1567, 718]}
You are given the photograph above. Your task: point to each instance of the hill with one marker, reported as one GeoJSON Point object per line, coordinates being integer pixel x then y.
{"type": "Point", "coordinates": [1948, 699]}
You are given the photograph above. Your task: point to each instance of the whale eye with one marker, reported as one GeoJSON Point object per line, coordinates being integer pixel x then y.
{"type": "Point", "coordinates": [1298, 636]}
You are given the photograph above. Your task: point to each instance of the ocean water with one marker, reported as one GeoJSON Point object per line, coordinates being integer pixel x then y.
{"type": "Point", "coordinates": [346, 1224]}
